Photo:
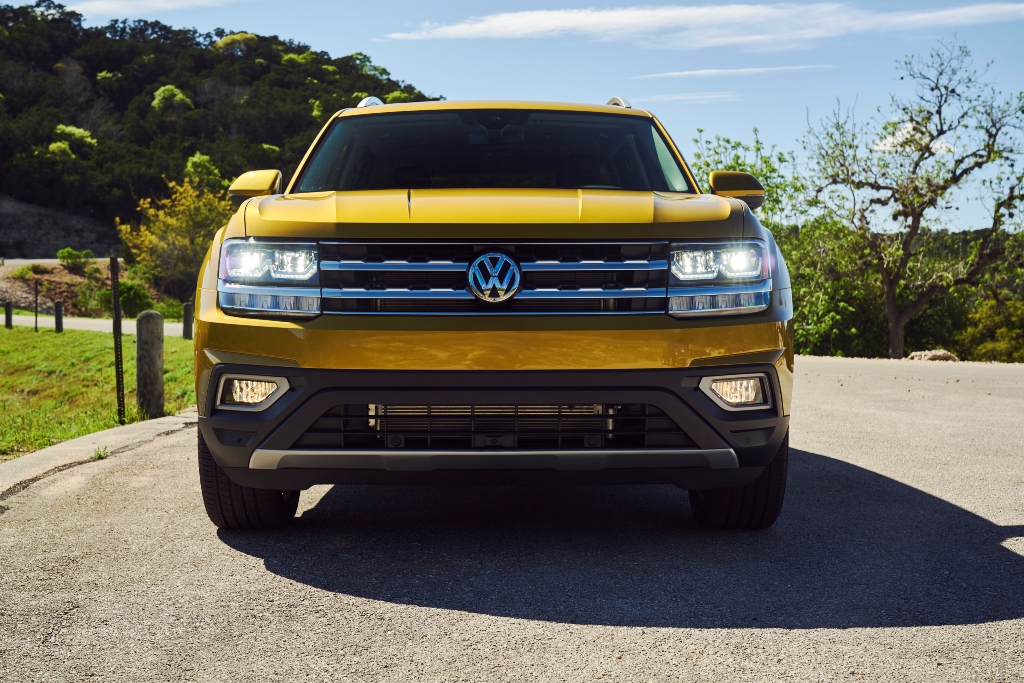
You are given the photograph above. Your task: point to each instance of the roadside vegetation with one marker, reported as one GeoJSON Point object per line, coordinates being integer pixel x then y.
{"type": "Point", "coordinates": [143, 125]}
{"type": "Point", "coordinates": [866, 223]}
{"type": "Point", "coordinates": [55, 387]}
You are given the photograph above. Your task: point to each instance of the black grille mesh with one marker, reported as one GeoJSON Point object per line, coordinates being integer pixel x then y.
{"type": "Point", "coordinates": [436, 427]}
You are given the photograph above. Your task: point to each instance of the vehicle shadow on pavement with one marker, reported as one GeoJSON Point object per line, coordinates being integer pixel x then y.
{"type": "Point", "coordinates": [852, 549]}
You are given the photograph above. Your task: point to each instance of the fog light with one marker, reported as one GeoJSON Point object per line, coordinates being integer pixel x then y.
{"type": "Point", "coordinates": [737, 392]}
{"type": "Point", "coordinates": [248, 392]}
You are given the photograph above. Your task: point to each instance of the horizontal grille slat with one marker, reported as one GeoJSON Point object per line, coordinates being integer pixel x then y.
{"type": "Point", "coordinates": [412, 277]}
{"type": "Point", "coordinates": [361, 426]}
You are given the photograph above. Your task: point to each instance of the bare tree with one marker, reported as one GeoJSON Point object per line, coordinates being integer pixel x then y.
{"type": "Point", "coordinates": [895, 180]}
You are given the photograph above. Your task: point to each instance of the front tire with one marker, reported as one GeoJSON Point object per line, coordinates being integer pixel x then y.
{"type": "Point", "coordinates": [752, 506]}
{"type": "Point", "coordinates": [231, 506]}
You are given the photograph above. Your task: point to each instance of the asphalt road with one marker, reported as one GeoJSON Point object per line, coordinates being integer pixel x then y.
{"type": "Point", "coordinates": [46, 322]}
{"type": "Point", "coordinates": [899, 556]}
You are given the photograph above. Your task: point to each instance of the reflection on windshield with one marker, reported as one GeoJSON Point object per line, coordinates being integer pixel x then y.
{"type": "Point", "coordinates": [488, 148]}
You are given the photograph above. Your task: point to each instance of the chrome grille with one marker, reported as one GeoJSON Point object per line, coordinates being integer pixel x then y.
{"type": "Point", "coordinates": [591, 277]}
{"type": "Point", "coordinates": [370, 426]}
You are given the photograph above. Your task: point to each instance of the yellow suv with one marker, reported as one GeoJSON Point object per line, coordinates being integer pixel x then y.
{"type": "Point", "coordinates": [493, 293]}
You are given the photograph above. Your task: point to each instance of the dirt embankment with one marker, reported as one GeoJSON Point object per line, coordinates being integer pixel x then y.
{"type": "Point", "coordinates": [59, 284]}
{"type": "Point", "coordinates": [29, 231]}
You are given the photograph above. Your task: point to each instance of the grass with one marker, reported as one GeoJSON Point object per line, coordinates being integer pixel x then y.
{"type": "Point", "coordinates": [55, 387]}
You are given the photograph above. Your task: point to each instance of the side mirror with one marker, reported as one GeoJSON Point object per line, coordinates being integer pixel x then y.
{"type": "Point", "coordinates": [255, 184]}
{"type": "Point", "coordinates": [737, 185]}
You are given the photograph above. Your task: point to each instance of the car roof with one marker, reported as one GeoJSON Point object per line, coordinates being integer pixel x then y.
{"type": "Point", "coordinates": [450, 105]}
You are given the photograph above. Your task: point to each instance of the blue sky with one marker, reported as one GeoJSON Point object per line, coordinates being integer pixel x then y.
{"type": "Point", "coordinates": [723, 68]}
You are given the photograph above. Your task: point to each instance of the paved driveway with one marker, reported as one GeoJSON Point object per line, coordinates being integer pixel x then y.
{"type": "Point", "coordinates": [899, 556]}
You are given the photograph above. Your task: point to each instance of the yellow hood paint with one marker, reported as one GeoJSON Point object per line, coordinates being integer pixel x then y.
{"type": "Point", "coordinates": [328, 214]}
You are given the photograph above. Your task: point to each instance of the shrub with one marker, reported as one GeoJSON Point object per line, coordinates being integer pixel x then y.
{"type": "Point", "coordinates": [74, 134]}
{"type": "Point", "coordinates": [134, 299]}
{"type": "Point", "coordinates": [27, 271]}
{"type": "Point", "coordinates": [397, 97]}
{"type": "Point", "coordinates": [996, 332]}
{"type": "Point", "coordinates": [170, 308]}
{"type": "Point", "coordinates": [90, 292]}
{"type": "Point", "coordinates": [74, 261]}
{"type": "Point", "coordinates": [170, 96]}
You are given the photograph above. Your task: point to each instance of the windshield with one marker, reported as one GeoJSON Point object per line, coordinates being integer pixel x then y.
{"type": "Point", "coordinates": [489, 148]}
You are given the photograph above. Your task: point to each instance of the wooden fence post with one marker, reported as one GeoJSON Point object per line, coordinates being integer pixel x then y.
{"type": "Point", "coordinates": [149, 363]}
{"type": "Point", "coordinates": [187, 314]}
{"type": "Point", "coordinates": [115, 300]}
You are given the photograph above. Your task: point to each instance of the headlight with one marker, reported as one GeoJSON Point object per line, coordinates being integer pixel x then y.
{"type": "Point", "coordinates": [719, 262]}
{"type": "Point", "coordinates": [719, 279]}
{"type": "Point", "coordinates": [250, 262]}
{"type": "Point", "coordinates": [269, 278]}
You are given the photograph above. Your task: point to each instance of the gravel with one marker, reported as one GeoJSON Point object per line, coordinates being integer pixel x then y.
{"type": "Point", "coordinates": [899, 556]}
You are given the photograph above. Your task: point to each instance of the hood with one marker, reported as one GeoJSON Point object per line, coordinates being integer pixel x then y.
{"type": "Point", "coordinates": [487, 213]}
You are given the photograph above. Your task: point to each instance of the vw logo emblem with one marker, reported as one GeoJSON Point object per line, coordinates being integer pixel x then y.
{"type": "Point", "coordinates": [494, 278]}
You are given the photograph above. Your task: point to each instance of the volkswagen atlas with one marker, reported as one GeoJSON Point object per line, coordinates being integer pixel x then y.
{"type": "Point", "coordinates": [493, 293]}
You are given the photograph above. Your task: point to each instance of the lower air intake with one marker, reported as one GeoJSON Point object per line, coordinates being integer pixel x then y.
{"type": "Point", "coordinates": [522, 427]}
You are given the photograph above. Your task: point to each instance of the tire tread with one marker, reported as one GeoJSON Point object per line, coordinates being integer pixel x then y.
{"type": "Point", "coordinates": [752, 506]}
{"type": "Point", "coordinates": [230, 506]}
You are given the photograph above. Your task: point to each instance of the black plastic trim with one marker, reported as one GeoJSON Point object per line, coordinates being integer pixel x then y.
{"type": "Point", "coordinates": [673, 390]}
{"type": "Point", "coordinates": [687, 478]}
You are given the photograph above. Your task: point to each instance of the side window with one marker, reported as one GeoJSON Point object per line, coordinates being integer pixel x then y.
{"type": "Point", "coordinates": [669, 166]}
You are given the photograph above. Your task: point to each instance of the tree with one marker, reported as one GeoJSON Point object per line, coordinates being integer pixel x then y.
{"type": "Point", "coordinates": [835, 306]}
{"type": "Point", "coordinates": [171, 239]}
{"type": "Point", "coordinates": [894, 180]}
{"type": "Point", "coordinates": [777, 171]}
{"type": "Point", "coordinates": [94, 118]}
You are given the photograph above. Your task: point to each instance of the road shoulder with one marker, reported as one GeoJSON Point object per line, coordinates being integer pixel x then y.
{"type": "Point", "coordinates": [17, 474]}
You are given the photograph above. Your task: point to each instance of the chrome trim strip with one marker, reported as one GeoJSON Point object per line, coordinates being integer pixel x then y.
{"type": "Point", "coordinates": [526, 294]}
{"type": "Point", "coordinates": [494, 242]}
{"type": "Point", "coordinates": [705, 386]}
{"type": "Point", "coordinates": [718, 311]}
{"type": "Point", "coordinates": [579, 266]}
{"type": "Point", "coordinates": [329, 293]}
{"type": "Point", "coordinates": [399, 459]}
{"type": "Point", "coordinates": [282, 389]}
{"type": "Point", "coordinates": [401, 266]}
{"type": "Point", "coordinates": [494, 312]}
{"type": "Point", "coordinates": [456, 267]}
{"type": "Point", "coordinates": [267, 291]}
{"type": "Point", "coordinates": [738, 288]}
{"type": "Point", "coordinates": [589, 293]}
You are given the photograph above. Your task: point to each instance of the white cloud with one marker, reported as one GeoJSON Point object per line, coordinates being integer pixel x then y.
{"type": "Point", "coordinates": [908, 137]}
{"type": "Point", "coordinates": [138, 8]}
{"type": "Point", "coordinates": [750, 71]}
{"type": "Point", "coordinates": [692, 97]}
{"type": "Point", "coordinates": [755, 26]}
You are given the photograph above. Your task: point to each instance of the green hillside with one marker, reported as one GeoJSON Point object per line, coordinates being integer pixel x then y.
{"type": "Point", "coordinates": [93, 119]}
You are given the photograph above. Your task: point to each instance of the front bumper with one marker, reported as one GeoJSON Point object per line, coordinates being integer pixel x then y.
{"type": "Point", "coordinates": [263, 449]}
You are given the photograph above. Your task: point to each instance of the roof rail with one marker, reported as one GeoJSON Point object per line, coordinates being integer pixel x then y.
{"type": "Point", "coordinates": [619, 102]}
{"type": "Point", "coordinates": [369, 102]}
